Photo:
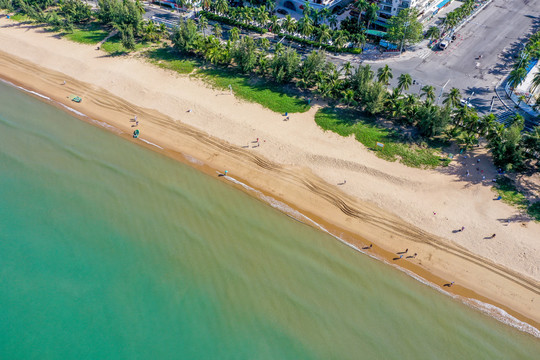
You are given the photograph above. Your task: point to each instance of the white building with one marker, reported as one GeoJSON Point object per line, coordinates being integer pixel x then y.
{"type": "Point", "coordinates": [298, 5]}
{"type": "Point", "coordinates": [389, 8]}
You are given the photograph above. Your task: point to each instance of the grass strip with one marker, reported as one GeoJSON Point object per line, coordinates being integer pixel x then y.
{"type": "Point", "coordinates": [92, 33]}
{"type": "Point", "coordinates": [167, 58]}
{"type": "Point", "coordinates": [114, 46]}
{"type": "Point", "coordinates": [347, 121]}
{"type": "Point", "coordinates": [20, 17]}
{"type": "Point", "coordinates": [509, 193]}
{"type": "Point", "coordinates": [266, 93]}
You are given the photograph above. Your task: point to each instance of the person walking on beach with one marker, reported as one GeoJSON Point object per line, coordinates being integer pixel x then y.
{"type": "Point", "coordinates": [492, 236]}
{"type": "Point", "coordinates": [64, 82]}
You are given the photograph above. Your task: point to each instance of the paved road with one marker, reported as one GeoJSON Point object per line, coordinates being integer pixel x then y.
{"type": "Point", "coordinates": [497, 33]}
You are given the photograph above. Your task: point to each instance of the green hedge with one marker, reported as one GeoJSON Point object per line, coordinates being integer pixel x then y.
{"type": "Point", "coordinates": [229, 21]}
{"type": "Point", "coordinates": [327, 47]}
{"type": "Point", "coordinates": [232, 22]}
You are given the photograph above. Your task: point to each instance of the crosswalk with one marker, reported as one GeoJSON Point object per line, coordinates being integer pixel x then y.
{"type": "Point", "coordinates": [425, 54]}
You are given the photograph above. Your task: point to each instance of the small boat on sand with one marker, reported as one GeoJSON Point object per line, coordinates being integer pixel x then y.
{"type": "Point", "coordinates": [75, 98]}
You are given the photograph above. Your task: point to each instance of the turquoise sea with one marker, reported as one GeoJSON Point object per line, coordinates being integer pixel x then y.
{"type": "Point", "coordinates": [111, 251]}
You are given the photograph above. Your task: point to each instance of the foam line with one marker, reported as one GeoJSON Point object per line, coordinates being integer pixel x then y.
{"type": "Point", "coordinates": [488, 309]}
{"type": "Point", "coordinates": [100, 123]}
{"type": "Point", "coordinates": [150, 143]}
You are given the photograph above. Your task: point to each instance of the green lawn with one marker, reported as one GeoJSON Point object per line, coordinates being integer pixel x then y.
{"type": "Point", "coordinates": [346, 122]}
{"type": "Point", "coordinates": [114, 46]}
{"type": "Point", "coordinates": [167, 58]}
{"type": "Point", "coordinates": [269, 95]}
{"type": "Point", "coordinates": [92, 33]}
{"type": "Point", "coordinates": [20, 17]}
{"type": "Point", "coordinates": [510, 194]}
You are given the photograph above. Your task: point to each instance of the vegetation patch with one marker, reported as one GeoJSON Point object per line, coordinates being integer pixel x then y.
{"type": "Point", "coordinates": [266, 93]}
{"type": "Point", "coordinates": [114, 46]}
{"type": "Point", "coordinates": [167, 58]}
{"type": "Point", "coordinates": [534, 211]}
{"type": "Point", "coordinates": [20, 17]}
{"type": "Point", "coordinates": [346, 122]}
{"type": "Point", "coordinates": [509, 193]}
{"type": "Point", "coordinates": [92, 33]}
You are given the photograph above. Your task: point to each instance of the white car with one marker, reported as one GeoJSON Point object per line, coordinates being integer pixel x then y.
{"type": "Point", "coordinates": [444, 44]}
{"type": "Point", "coordinates": [466, 103]}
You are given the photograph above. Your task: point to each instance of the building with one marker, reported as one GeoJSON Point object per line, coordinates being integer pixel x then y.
{"type": "Point", "coordinates": [298, 5]}
{"type": "Point", "coordinates": [426, 8]}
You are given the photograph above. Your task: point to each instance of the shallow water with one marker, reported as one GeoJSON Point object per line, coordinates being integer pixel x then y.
{"type": "Point", "coordinates": [108, 250]}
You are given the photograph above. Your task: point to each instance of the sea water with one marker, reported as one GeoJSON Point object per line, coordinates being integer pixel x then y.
{"type": "Point", "coordinates": [111, 251]}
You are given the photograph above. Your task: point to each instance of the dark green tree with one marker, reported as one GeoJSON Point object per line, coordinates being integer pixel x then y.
{"type": "Point", "coordinates": [185, 37]}
{"type": "Point", "coordinates": [245, 54]}
{"type": "Point", "coordinates": [404, 27]}
{"type": "Point", "coordinates": [285, 65]}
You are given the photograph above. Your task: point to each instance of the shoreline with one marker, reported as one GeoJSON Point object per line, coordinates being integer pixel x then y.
{"type": "Point", "coordinates": [355, 222]}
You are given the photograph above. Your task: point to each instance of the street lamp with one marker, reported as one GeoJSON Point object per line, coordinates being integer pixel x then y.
{"type": "Point", "coordinates": [406, 24]}
{"type": "Point", "coordinates": [440, 95]}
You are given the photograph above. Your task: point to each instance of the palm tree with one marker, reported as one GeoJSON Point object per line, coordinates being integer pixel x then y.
{"type": "Point", "coordinates": [163, 29]}
{"type": "Point", "coordinates": [411, 106]}
{"type": "Point", "coordinates": [203, 24]}
{"type": "Point", "coordinates": [404, 82]}
{"type": "Point", "coordinates": [234, 33]}
{"type": "Point", "coordinates": [486, 124]}
{"type": "Point", "coordinates": [290, 24]}
{"type": "Point", "coordinates": [516, 77]}
{"type": "Point", "coordinates": [361, 5]}
{"type": "Point", "coordinates": [371, 13]}
{"type": "Point", "coordinates": [347, 67]}
{"type": "Point", "coordinates": [246, 14]}
{"type": "Point", "coordinates": [452, 98]}
{"type": "Point", "coordinates": [340, 38]}
{"type": "Point", "coordinates": [460, 116]}
{"type": "Point", "coordinates": [324, 34]}
{"type": "Point", "coordinates": [433, 33]}
{"type": "Point", "coordinates": [305, 25]}
{"type": "Point", "coordinates": [333, 21]}
{"type": "Point", "coordinates": [429, 92]}
{"type": "Point", "coordinates": [139, 6]}
{"type": "Point", "coordinates": [262, 15]}
{"type": "Point", "coordinates": [264, 43]}
{"type": "Point", "coordinates": [206, 4]}
{"type": "Point", "coordinates": [278, 48]}
{"type": "Point", "coordinates": [535, 82]}
{"type": "Point", "coordinates": [150, 31]}
{"type": "Point", "coordinates": [358, 39]}
{"type": "Point", "coordinates": [348, 97]}
{"type": "Point", "coordinates": [316, 15]}
{"type": "Point", "coordinates": [274, 24]}
{"type": "Point", "coordinates": [307, 9]}
{"type": "Point", "coordinates": [384, 74]}
{"type": "Point", "coordinates": [217, 30]}
{"type": "Point", "coordinates": [222, 6]}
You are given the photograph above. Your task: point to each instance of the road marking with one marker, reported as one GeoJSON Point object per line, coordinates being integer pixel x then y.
{"type": "Point", "coordinates": [424, 55]}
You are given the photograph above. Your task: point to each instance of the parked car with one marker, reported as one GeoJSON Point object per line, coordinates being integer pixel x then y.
{"type": "Point", "coordinates": [466, 103]}
{"type": "Point", "coordinates": [282, 11]}
{"type": "Point", "coordinates": [444, 44]}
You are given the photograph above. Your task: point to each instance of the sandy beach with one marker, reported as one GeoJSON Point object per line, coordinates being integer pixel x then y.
{"type": "Point", "coordinates": [386, 204]}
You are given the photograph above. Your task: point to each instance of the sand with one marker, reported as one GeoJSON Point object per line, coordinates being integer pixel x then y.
{"type": "Point", "coordinates": [388, 204]}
